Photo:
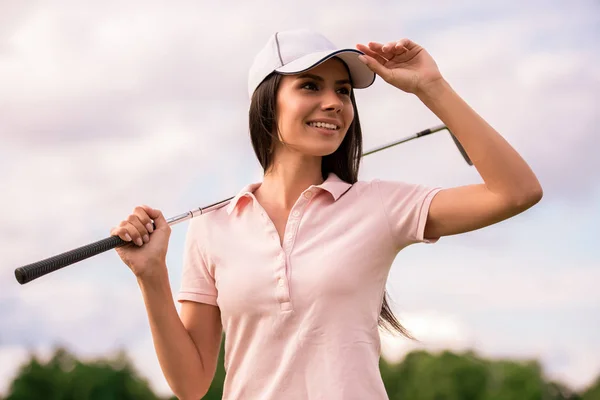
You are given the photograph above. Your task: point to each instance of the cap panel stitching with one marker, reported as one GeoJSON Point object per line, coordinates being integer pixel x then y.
{"type": "Point", "coordinates": [278, 49]}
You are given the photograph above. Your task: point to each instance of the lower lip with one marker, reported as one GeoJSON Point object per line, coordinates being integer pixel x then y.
{"type": "Point", "coordinates": [324, 131]}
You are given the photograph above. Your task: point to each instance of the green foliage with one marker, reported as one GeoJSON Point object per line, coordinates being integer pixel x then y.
{"type": "Point", "coordinates": [424, 376]}
{"type": "Point", "coordinates": [64, 377]}
{"type": "Point", "coordinates": [420, 376]}
{"type": "Point", "coordinates": [593, 392]}
{"type": "Point", "coordinates": [216, 388]}
{"type": "Point", "coordinates": [450, 376]}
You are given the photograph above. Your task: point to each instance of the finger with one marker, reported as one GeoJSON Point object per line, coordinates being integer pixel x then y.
{"type": "Point", "coordinates": [144, 218]}
{"type": "Point", "coordinates": [159, 220]}
{"type": "Point", "coordinates": [400, 47]}
{"type": "Point", "coordinates": [139, 233]}
{"type": "Point", "coordinates": [388, 48]}
{"type": "Point", "coordinates": [407, 44]}
{"type": "Point", "coordinates": [377, 48]}
{"type": "Point", "coordinates": [371, 53]}
{"type": "Point", "coordinates": [126, 229]}
{"type": "Point", "coordinates": [376, 67]}
{"type": "Point", "coordinates": [122, 233]}
{"type": "Point", "coordinates": [387, 51]}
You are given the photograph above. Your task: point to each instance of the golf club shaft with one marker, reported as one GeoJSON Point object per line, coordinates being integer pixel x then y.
{"type": "Point", "coordinates": [421, 134]}
{"type": "Point", "coordinates": [38, 269]}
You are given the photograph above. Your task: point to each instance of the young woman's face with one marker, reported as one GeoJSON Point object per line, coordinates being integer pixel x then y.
{"type": "Point", "coordinates": [314, 109]}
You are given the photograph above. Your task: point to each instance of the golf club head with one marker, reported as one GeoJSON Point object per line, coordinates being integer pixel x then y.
{"type": "Point", "coordinates": [444, 127]}
{"type": "Point", "coordinates": [460, 148]}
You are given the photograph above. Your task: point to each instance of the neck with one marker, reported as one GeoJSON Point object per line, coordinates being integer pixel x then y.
{"type": "Point", "coordinates": [288, 177]}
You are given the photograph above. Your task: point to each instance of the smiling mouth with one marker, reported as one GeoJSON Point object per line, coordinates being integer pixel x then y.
{"type": "Point", "coordinates": [324, 125]}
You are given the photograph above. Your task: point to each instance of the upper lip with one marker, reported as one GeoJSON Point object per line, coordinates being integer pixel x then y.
{"type": "Point", "coordinates": [327, 121]}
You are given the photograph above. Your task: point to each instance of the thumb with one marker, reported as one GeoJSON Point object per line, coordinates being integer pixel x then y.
{"type": "Point", "coordinates": [375, 66]}
{"type": "Point", "coordinates": [157, 216]}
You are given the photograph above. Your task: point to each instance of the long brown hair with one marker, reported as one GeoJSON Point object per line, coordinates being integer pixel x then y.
{"type": "Point", "coordinates": [344, 162]}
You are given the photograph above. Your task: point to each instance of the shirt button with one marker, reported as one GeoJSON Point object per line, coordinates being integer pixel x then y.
{"type": "Point", "coordinates": [280, 282]}
{"type": "Point", "coordinates": [308, 195]}
{"type": "Point", "coordinates": [296, 213]}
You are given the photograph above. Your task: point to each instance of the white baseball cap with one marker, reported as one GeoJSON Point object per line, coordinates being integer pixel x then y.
{"type": "Point", "coordinates": [292, 52]}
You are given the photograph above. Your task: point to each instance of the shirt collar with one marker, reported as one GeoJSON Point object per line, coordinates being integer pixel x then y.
{"type": "Point", "coordinates": [333, 184]}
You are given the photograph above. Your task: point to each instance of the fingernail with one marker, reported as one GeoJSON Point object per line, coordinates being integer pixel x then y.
{"type": "Point", "coordinates": [146, 238]}
{"type": "Point", "coordinates": [149, 227]}
{"type": "Point", "coordinates": [139, 242]}
{"type": "Point", "coordinates": [127, 237]}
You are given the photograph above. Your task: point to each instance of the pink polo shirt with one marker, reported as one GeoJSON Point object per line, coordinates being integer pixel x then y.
{"type": "Point", "coordinates": [300, 319]}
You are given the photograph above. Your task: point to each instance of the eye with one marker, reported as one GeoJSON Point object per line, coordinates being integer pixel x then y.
{"type": "Point", "coordinates": [345, 91]}
{"type": "Point", "coordinates": [309, 86]}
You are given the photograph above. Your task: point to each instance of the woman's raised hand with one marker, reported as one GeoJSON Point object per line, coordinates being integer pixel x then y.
{"type": "Point", "coordinates": [403, 64]}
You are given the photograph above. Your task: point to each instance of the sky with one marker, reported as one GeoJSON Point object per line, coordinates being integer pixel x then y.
{"type": "Point", "coordinates": [108, 105]}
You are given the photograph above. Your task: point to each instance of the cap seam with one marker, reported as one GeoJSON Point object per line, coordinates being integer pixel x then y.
{"type": "Point", "coordinates": [278, 48]}
{"type": "Point", "coordinates": [327, 57]}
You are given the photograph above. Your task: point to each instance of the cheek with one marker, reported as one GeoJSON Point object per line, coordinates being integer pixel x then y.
{"type": "Point", "coordinates": [292, 116]}
{"type": "Point", "coordinates": [348, 114]}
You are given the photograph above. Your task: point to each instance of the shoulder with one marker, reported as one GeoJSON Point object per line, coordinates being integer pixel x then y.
{"type": "Point", "coordinates": [379, 186]}
{"type": "Point", "coordinates": [202, 224]}
{"type": "Point", "coordinates": [394, 193]}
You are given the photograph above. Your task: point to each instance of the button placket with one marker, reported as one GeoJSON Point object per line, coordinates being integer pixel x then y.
{"type": "Point", "coordinates": [293, 222]}
{"type": "Point", "coordinates": [288, 240]}
{"type": "Point", "coordinates": [281, 282]}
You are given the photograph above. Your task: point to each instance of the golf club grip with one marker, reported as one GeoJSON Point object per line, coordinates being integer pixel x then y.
{"type": "Point", "coordinates": [30, 272]}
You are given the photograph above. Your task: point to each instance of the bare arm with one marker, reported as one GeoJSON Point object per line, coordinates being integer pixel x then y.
{"type": "Point", "coordinates": [510, 187]}
{"type": "Point", "coordinates": [187, 348]}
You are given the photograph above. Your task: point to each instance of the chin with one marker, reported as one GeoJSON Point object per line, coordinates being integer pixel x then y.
{"type": "Point", "coordinates": [321, 151]}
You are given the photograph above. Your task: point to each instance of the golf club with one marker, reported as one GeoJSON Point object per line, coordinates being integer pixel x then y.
{"type": "Point", "coordinates": [38, 269]}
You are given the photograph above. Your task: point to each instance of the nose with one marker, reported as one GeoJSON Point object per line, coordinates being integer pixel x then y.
{"type": "Point", "coordinates": [332, 101]}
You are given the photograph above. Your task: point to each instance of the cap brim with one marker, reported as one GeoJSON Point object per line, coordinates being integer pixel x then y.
{"type": "Point", "coordinates": [362, 77]}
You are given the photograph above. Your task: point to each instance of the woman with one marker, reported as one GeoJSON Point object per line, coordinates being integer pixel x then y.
{"type": "Point", "coordinates": [293, 270]}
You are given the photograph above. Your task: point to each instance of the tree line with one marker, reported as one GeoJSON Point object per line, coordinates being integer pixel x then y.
{"type": "Point", "coordinates": [420, 375]}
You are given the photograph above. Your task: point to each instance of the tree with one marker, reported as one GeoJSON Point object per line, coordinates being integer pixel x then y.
{"type": "Point", "coordinates": [593, 392]}
{"type": "Point", "coordinates": [420, 376]}
{"type": "Point", "coordinates": [64, 377]}
{"type": "Point", "coordinates": [425, 376]}
{"type": "Point", "coordinates": [215, 392]}
{"type": "Point", "coordinates": [449, 376]}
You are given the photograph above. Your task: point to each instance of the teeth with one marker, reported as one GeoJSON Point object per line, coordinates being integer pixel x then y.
{"type": "Point", "coordinates": [323, 125]}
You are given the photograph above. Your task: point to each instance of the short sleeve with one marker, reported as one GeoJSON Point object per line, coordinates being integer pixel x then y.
{"type": "Point", "coordinates": [406, 207]}
{"type": "Point", "coordinates": [197, 283]}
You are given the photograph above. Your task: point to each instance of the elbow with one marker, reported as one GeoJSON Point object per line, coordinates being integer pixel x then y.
{"type": "Point", "coordinates": [535, 194]}
{"type": "Point", "coordinates": [191, 392]}
{"type": "Point", "coordinates": [528, 198]}
{"type": "Point", "coordinates": [191, 395]}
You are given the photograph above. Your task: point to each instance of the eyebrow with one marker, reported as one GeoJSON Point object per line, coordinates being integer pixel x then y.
{"type": "Point", "coordinates": [318, 78]}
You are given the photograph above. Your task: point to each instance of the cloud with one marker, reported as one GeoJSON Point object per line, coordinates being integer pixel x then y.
{"type": "Point", "coordinates": [473, 280]}
{"type": "Point", "coordinates": [105, 106]}
{"type": "Point", "coordinates": [566, 361]}
{"type": "Point", "coordinates": [433, 330]}
{"type": "Point", "coordinates": [107, 77]}
{"type": "Point", "coordinates": [541, 98]}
